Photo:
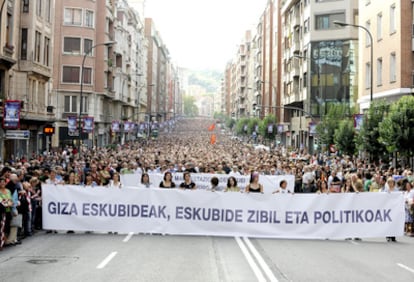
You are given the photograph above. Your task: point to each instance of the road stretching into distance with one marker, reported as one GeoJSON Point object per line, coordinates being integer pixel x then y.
{"type": "Point", "coordinates": [144, 257]}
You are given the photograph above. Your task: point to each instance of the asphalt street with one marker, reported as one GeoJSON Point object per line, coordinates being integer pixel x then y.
{"type": "Point", "coordinates": [145, 257]}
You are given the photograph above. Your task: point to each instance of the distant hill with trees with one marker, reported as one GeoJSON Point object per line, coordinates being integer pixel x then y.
{"type": "Point", "coordinates": [208, 79]}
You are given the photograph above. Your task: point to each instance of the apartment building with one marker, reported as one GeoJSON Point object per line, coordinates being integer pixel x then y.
{"type": "Point", "coordinates": [243, 95]}
{"type": "Point", "coordinates": [390, 23]}
{"type": "Point", "coordinates": [84, 39]}
{"type": "Point", "coordinates": [25, 73]}
{"type": "Point", "coordinates": [130, 71]}
{"type": "Point", "coordinates": [320, 63]}
{"type": "Point", "coordinates": [266, 62]}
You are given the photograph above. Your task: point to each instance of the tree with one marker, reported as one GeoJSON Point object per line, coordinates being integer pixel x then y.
{"type": "Point", "coordinates": [230, 122]}
{"type": "Point", "coordinates": [397, 129]}
{"type": "Point", "coordinates": [344, 137]}
{"type": "Point", "coordinates": [241, 126]}
{"type": "Point", "coordinates": [253, 122]}
{"type": "Point", "coordinates": [190, 108]}
{"type": "Point", "coordinates": [329, 123]}
{"type": "Point", "coordinates": [264, 127]}
{"type": "Point", "coordinates": [368, 139]}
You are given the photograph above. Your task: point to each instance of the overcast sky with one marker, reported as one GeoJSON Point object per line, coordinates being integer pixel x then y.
{"type": "Point", "coordinates": [203, 34]}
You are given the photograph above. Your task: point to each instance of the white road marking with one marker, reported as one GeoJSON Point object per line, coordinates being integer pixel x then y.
{"type": "Point", "coordinates": [353, 242]}
{"type": "Point", "coordinates": [250, 260]}
{"type": "Point", "coordinates": [128, 237]}
{"type": "Point", "coordinates": [106, 260]}
{"type": "Point", "coordinates": [261, 261]}
{"type": "Point", "coordinates": [405, 267]}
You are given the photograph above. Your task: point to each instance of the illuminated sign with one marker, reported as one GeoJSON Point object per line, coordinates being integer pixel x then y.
{"type": "Point", "coordinates": [48, 130]}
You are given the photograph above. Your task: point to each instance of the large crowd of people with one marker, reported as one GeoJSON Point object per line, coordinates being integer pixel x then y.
{"type": "Point", "coordinates": [185, 149]}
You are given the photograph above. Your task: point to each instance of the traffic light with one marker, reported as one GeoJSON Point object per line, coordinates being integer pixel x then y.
{"type": "Point", "coordinates": [48, 130]}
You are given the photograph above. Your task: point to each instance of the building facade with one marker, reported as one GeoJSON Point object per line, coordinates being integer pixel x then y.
{"type": "Point", "coordinates": [25, 74]}
{"type": "Point", "coordinates": [391, 26]}
{"type": "Point", "coordinates": [319, 64]}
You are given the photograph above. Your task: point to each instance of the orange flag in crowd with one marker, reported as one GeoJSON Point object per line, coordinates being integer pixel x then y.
{"type": "Point", "coordinates": [213, 139]}
{"type": "Point", "coordinates": [211, 127]}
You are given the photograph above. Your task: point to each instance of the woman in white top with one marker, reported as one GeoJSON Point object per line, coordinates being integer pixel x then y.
{"type": "Point", "coordinates": [115, 182]}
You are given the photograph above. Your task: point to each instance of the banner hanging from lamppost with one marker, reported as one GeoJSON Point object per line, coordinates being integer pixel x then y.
{"type": "Point", "coordinates": [72, 126]}
{"type": "Point", "coordinates": [358, 121]}
{"type": "Point", "coordinates": [312, 128]}
{"type": "Point", "coordinates": [115, 127]}
{"type": "Point", "coordinates": [87, 125]}
{"type": "Point", "coordinates": [280, 129]}
{"type": "Point", "coordinates": [270, 128]}
{"type": "Point", "coordinates": [128, 126]}
{"type": "Point", "coordinates": [11, 114]}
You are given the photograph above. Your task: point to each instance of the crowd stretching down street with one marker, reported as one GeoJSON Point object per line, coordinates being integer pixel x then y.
{"type": "Point", "coordinates": [187, 148]}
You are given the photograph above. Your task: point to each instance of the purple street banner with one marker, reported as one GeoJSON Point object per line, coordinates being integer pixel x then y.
{"type": "Point", "coordinates": [128, 126]}
{"type": "Point", "coordinates": [87, 124]}
{"type": "Point", "coordinates": [270, 128]}
{"type": "Point", "coordinates": [358, 121]}
{"type": "Point", "coordinates": [11, 114]}
{"type": "Point", "coordinates": [279, 128]}
{"type": "Point", "coordinates": [312, 128]}
{"type": "Point", "coordinates": [72, 123]}
{"type": "Point", "coordinates": [115, 126]}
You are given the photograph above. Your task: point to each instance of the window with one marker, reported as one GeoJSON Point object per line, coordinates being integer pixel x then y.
{"type": "Point", "coordinates": [326, 21]}
{"type": "Point", "coordinates": [87, 46]}
{"type": "Point", "coordinates": [70, 74]}
{"type": "Point", "coordinates": [71, 45]}
{"type": "Point", "coordinates": [367, 76]}
{"type": "Point", "coordinates": [85, 105]}
{"type": "Point", "coordinates": [89, 18]}
{"type": "Point", "coordinates": [23, 46]}
{"type": "Point", "coordinates": [367, 39]}
{"type": "Point", "coordinates": [392, 19]}
{"type": "Point", "coordinates": [305, 79]}
{"type": "Point", "coordinates": [306, 26]}
{"type": "Point", "coordinates": [379, 26]}
{"type": "Point", "coordinates": [9, 31]}
{"type": "Point", "coordinates": [39, 8]}
{"type": "Point", "coordinates": [38, 38]}
{"type": "Point", "coordinates": [48, 10]}
{"type": "Point", "coordinates": [25, 6]}
{"type": "Point", "coordinates": [322, 22]}
{"type": "Point", "coordinates": [87, 75]}
{"type": "Point", "coordinates": [379, 71]}
{"type": "Point", "coordinates": [73, 16]}
{"type": "Point", "coordinates": [393, 70]}
{"type": "Point", "coordinates": [46, 54]}
{"type": "Point", "coordinates": [70, 104]}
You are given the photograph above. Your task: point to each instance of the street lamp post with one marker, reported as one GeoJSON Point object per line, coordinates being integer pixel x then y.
{"type": "Point", "coordinates": [371, 55]}
{"type": "Point", "coordinates": [109, 43]}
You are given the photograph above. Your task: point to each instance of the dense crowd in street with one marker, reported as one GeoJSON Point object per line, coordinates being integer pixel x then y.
{"type": "Point", "coordinates": [186, 149]}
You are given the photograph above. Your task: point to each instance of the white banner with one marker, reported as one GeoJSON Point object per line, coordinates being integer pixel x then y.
{"type": "Point", "coordinates": [202, 181]}
{"type": "Point", "coordinates": [185, 212]}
